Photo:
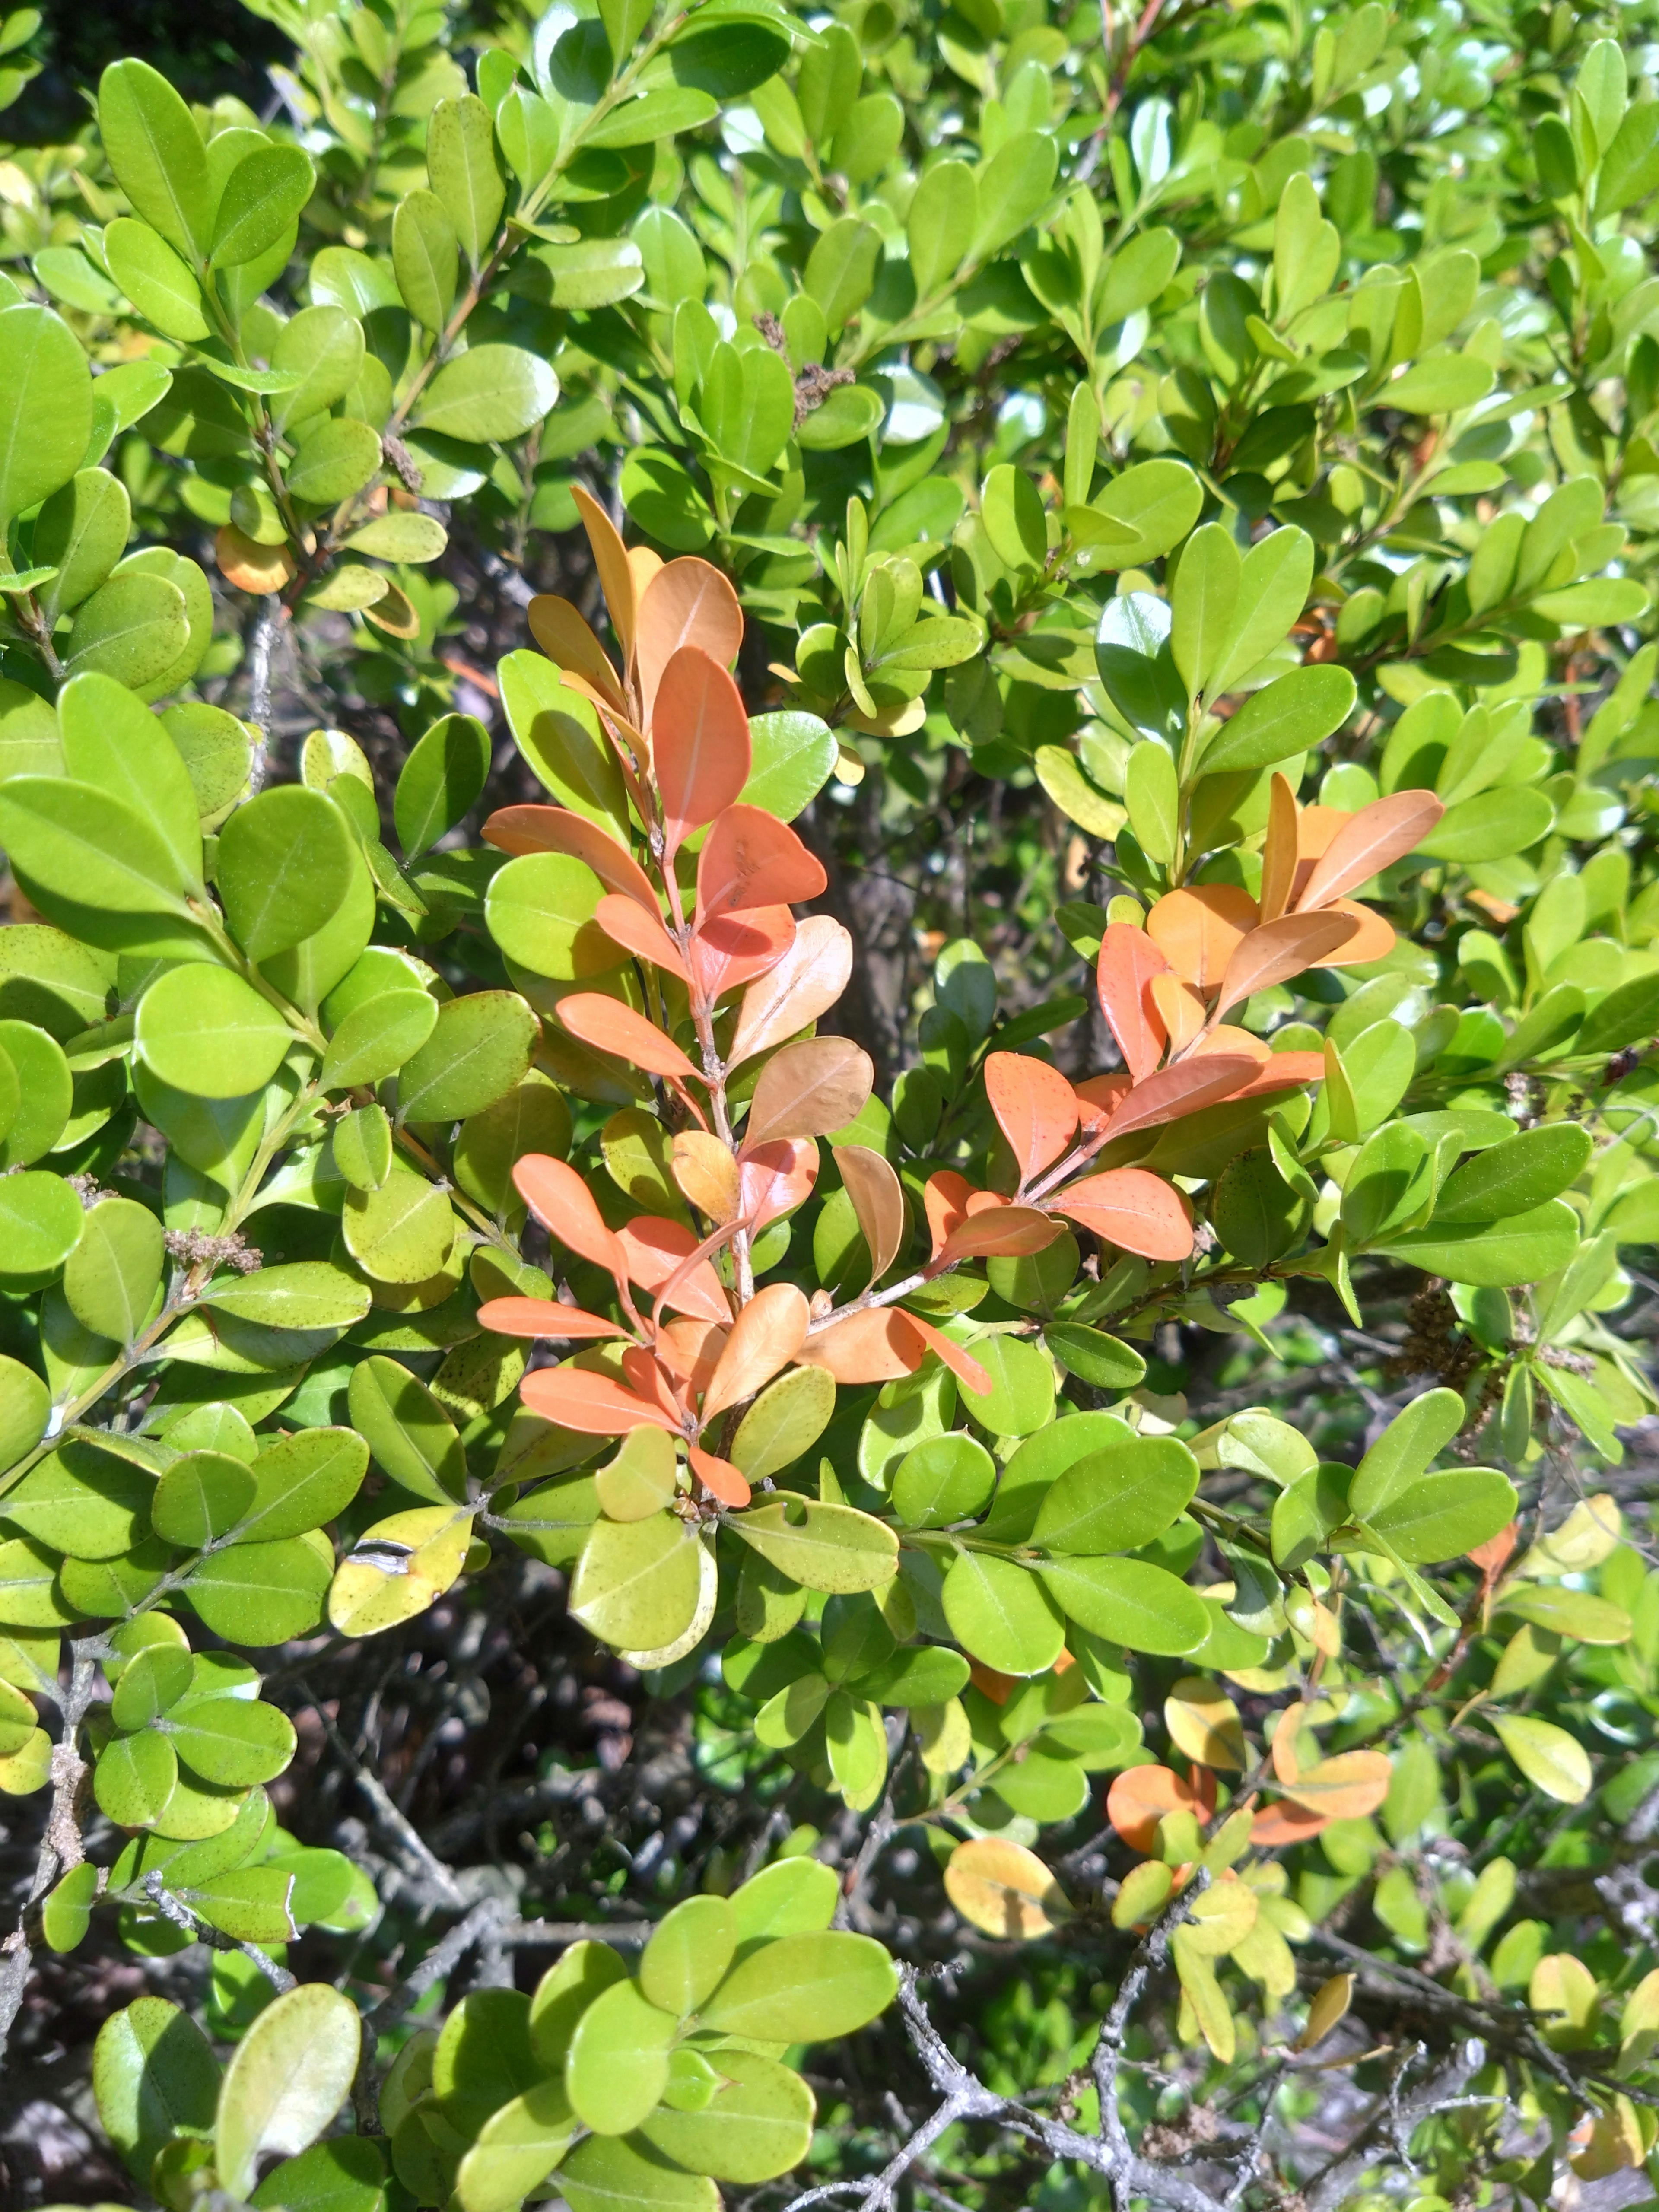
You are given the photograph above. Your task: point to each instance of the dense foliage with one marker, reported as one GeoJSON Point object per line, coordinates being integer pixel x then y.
{"type": "Point", "coordinates": [825, 1127]}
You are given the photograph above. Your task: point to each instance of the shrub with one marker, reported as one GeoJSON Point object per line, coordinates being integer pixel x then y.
{"type": "Point", "coordinates": [1177, 495]}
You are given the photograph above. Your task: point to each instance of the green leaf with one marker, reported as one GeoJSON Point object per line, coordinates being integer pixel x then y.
{"type": "Point", "coordinates": [943, 217]}
{"type": "Point", "coordinates": [1093, 1357]}
{"type": "Point", "coordinates": [45, 1091]}
{"type": "Point", "coordinates": [1522, 1249]}
{"type": "Point", "coordinates": [1492, 826]}
{"type": "Point", "coordinates": [1406, 1449]}
{"type": "Point", "coordinates": [1516, 1176]}
{"type": "Point", "coordinates": [803, 1988]}
{"type": "Point", "coordinates": [1022, 1395]}
{"type": "Point", "coordinates": [403, 1232]}
{"type": "Point", "coordinates": [425, 255]}
{"type": "Point", "coordinates": [688, 1955]}
{"type": "Point", "coordinates": [1273, 582]}
{"type": "Point", "coordinates": [593, 273]}
{"type": "Point", "coordinates": [483, 2054]}
{"type": "Point", "coordinates": [1010, 508]}
{"type": "Point", "coordinates": [793, 1897]}
{"type": "Point", "coordinates": [489, 392]}
{"type": "Point", "coordinates": [606, 2172]}
{"type": "Point", "coordinates": [156, 152]}
{"type": "Point", "coordinates": [66, 1911]}
{"type": "Point", "coordinates": [153, 2071]}
{"type": "Point", "coordinates": [440, 781]}
{"type": "Point", "coordinates": [930, 1676]}
{"type": "Point", "coordinates": [345, 2174]}
{"type": "Point", "coordinates": [201, 1497]}
{"type": "Point", "coordinates": [231, 1741]}
{"type": "Point", "coordinates": [134, 1778]}
{"type": "Point", "coordinates": [162, 286]}
{"type": "Point", "coordinates": [285, 865]}
{"type": "Point", "coordinates": [616, 2067]}
{"type": "Point", "coordinates": [1000, 1612]}
{"type": "Point", "coordinates": [558, 733]}
{"type": "Point", "coordinates": [515, 2149]}
{"type": "Point", "coordinates": [74, 846]}
{"type": "Point", "coordinates": [841, 270]}
{"type": "Point", "coordinates": [480, 1047]}
{"type": "Point", "coordinates": [113, 1273]}
{"type": "Point", "coordinates": [1129, 1602]}
{"type": "Point", "coordinates": [81, 532]}
{"type": "Point", "coordinates": [1550, 1759]}
{"type": "Point", "coordinates": [1118, 1500]}
{"type": "Point", "coordinates": [41, 1224]}
{"type": "Point", "coordinates": [397, 535]}
{"type": "Point", "coordinates": [660, 114]}
{"type": "Point", "coordinates": [83, 1499]}
{"type": "Point", "coordinates": [135, 627]}
{"type": "Point", "coordinates": [334, 460]}
{"type": "Point", "coordinates": [289, 2076]}
{"type": "Point", "coordinates": [1013, 187]}
{"type": "Point", "coordinates": [410, 1436]}
{"type": "Point", "coordinates": [824, 1547]}
{"type": "Point", "coordinates": [25, 1405]}
{"type": "Point", "coordinates": [261, 198]}
{"type": "Point", "coordinates": [638, 1583]}
{"type": "Point", "coordinates": [205, 1031]}
{"type": "Point", "coordinates": [1204, 606]}
{"type": "Point", "coordinates": [1441, 1516]}
{"type": "Point", "coordinates": [1440, 386]}
{"type": "Point", "coordinates": [259, 1593]}
{"type": "Point", "coordinates": [757, 2125]}
{"type": "Point", "coordinates": [1152, 795]}
{"type": "Point", "coordinates": [1292, 715]}
{"type": "Point", "coordinates": [1139, 515]}
{"type": "Point", "coordinates": [942, 1479]}
{"type": "Point", "coordinates": [747, 407]}
{"type": "Point", "coordinates": [323, 348]}
{"type": "Point", "coordinates": [461, 160]}
{"type": "Point", "coordinates": [791, 757]}
{"type": "Point", "coordinates": [375, 1039]}
{"type": "Point", "coordinates": [786, 1420]}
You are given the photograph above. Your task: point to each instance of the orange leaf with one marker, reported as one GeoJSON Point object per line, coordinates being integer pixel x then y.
{"type": "Point", "coordinates": [734, 948]}
{"type": "Point", "coordinates": [1139, 1797]}
{"type": "Point", "coordinates": [999, 1688]}
{"type": "Point", "coordinates": [626, 923]}
{"type": "Point", "coordinates": [1280, 852]}
{"type": "Point", "coordinates": [776, 1178]}
{"type": "Point", "coordinates": [1286, 1759]}
{"type": "Point", "coordinates": [1170, 1092]}
{"type": "Point", "coordinates": [643, 565]}
{"type": "Point", "coordinates": [611, 559]}
{"type": "Point", "coordinates": [765, 1337]}
{"type": "Point", "coordinates": [1129, 962]}
{"type": "Point", "coordinates": [1224, 1038]}
{"type": "Point", "coordinates": [594, 1405]}
{"type": "Point", "coordinates": [707, 1174]}
{"type": "Point", "coordinates": [1098, 1099]}
{"type": "Point", "coordinates": [878, 1198]}
{"type": "Point", "coordinates": [1133, 1209]}
{"type": "Point", "coordinates": [699, 743]}
{"type": "Point", "coordinates": [543, 1318]}
{"type": "Point", "coordinates": [752, 859]}
{"type": "Point", "coordinates": [261, 569]}
{"type": "Point", "coordinates": [999, 1232]}
{"type": "Point", "coordinates": [808, 1090]}
{"type": "Point", "coordinates": [570, 645]}
{"type": "Point", "coordinates": [945, 1195]}
{"type": "Point", "coordinates": [1180, 1009]}
{"type": "Point", "coordinates": [690, 1350]}
{"type": "Point", "coordinates": [1286, 1824]}
{"type": "Point", "coordinates": [718, 1476]}
{"type": "Point", "coordinates": [871, 1346]}
{"type": "Point", "coordinates": [1493, 1557]}
{"type": "Point", "coordinates": [1198, 930]}
{"type": "Point", "coordinates": [1345, 1788]}
{"type": "Point", "coordinates": [564, 1206]}
{"type": "Point", "coordinates": [652, 1384]}
{"type": "Point", "coordinates": [805, 983]}
{"type": "Point", "coordinates": [1279, 950]}
{"type": "Point", "coordinates": [557, 829]}
{"type": "Point", "coordinates": [1375, 940]}
{"type": "Point", "coordinates": [1036, 1109]}
{"type": "Point", "coordinates": [961, 1363]}
{"type": "Point", "coordinates": [655, 1248]}
{"type": "Point", "coordinates": [685, 603]}
{"type": "Point", "coordinates": [609, 1026]}
{"type": "Point", "coordinates": [1283, 1071]}
{"type": "Point", "coordinates": [1369, 842]}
